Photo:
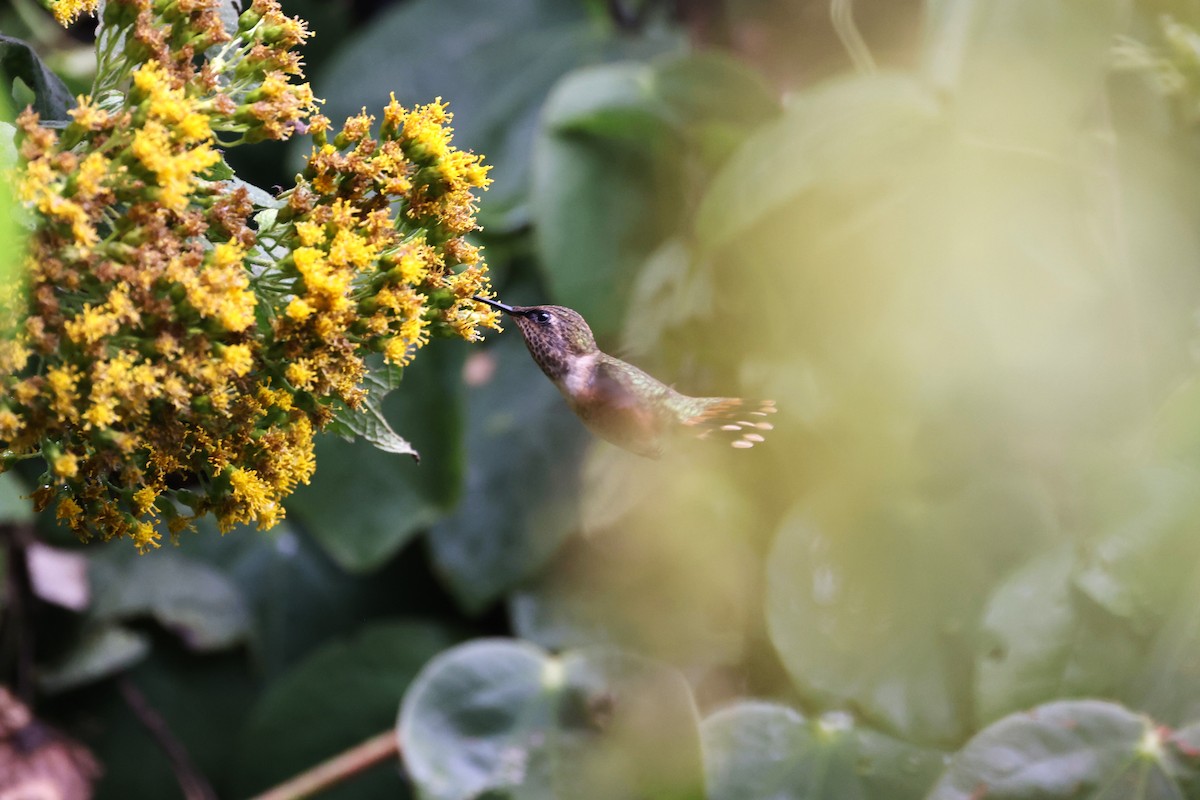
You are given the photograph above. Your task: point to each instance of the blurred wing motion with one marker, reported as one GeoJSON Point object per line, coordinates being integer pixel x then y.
{"type": "Point", "coordinates": [740, 422]}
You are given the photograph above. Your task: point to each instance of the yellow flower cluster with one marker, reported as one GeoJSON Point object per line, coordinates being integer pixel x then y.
{"type": "Point", "coordinates": [171, 361]}
{"type": "Point", "coordinates": [66, 11]}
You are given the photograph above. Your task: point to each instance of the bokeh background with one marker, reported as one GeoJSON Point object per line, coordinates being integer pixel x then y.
{"type": "Point", "coordinates": [955, 240]}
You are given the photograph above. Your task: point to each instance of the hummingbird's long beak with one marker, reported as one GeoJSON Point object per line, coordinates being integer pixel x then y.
{"type": "Point", "coordinates": [495, 304]}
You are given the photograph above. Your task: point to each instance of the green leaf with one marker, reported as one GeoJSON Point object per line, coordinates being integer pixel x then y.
{"type": "Point", "coordinates": [1145, 543]}
{"type": "Point", "coordinates": [978, 52]}
{"type": "Point", "coordinates": [202, 701]}
{"type": "Point", "coordinates": [605, 189]}
{"type": "Point", "coordinates": [340, 695]}
{"type": "Point", "coordinates": [1042, 640]}
{"type": "Point", "coordinates": [14, 218]}
{"type": "Point", "coordinates": [15, 506]}
{"type": "Point", "coordinates": [871, 605]}
{"type": "Point", "coordinates": [1068, 749]}
{"type": "Point", "coordinates": [618, 148]}
{"type": "Point", "coordinates": [1167, 683]}
{"type": "Point", "coordinates": [368, 421]}
{"type": "Point", "coordinates": [191, 599]}
{"type": "Point", "coordinates": [847, 132]}
{"type": "Point", "coordinates": [52, 98]}
{"type": "Point", "coordinates": [714, 100]}
{"type": "Point", "coordinates": [297, 596]}
{"type": "Point", "coordinates": [521, 493]}
{"type": "Point", "coordinates": [502, 717]}
{"type": "Point", "coordinates": [765, 751]}
{"type": "Point", "coordinates": [383, 501]}
{"type": "Point", "coordinates": [102, 651]}
{"type": "Point", "coordinates": [657, 571]}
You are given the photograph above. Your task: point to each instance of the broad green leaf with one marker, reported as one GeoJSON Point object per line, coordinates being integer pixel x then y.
{"type": "Point", "coordinates": [1177, 423]}
{"type": "Point", "coordinates": [101, 652]}
{"type": "Point", "coordinates": [466, 51]}
{"type": "Point", "coordinates": [187, 597]}
{"type": "Point", "coordinates": [602, 202]}
{"type": "Point", "coordinates": [667, 292]}
{"type": "Point", "coordinates": [18, 60]}
{"type": "Point", "coordinates": [340, 695]}
{"type": "Point", "coordinates": [1069, 749]}
{"type": "Point", "coordinates": [611, 101]}
{"type": "Point", "coordinates": [842, 134]}
{"type": "Point", "coordinates": [667, 566]}
{"type": "Point", "coordinates": [297, 596]}
{"type": "Point", "coordinates": [765, 751]}
{"type": "Point", "coordinates": [1006, 86]}
{"type": "Point", "coordinates": [201, 701]}
{"type": "Point", "coordinates": [520, 499]}
{"type": "Point", "coordinates": [873, 603]}
{"type": "Point", "coordinates": [15, 506]}
{"type": "Point", "coordinates": [714, 100]}
{"type": "Point", "coordinates": [1167, 683]}
{"type": "Point", "coordinates": [383, 499]}
{"type": "Point", "coordinates": [1043, 640]}
{"type": "Point", "coordinates": [622, 150]}
{"type": "Point", "coordinates": [1145, 542]}
{"type": "Point", "coordinates": [502, 718]}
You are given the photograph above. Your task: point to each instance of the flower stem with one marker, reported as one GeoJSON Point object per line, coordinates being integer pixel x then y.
{"type": "Point", "coordinates": [374, 751]}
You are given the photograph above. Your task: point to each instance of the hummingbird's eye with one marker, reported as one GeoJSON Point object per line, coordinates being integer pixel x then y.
{"type": "Point", "coordinates": [541, 317]}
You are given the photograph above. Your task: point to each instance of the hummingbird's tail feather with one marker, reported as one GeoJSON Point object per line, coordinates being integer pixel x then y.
{"type": "Point", "coordinates": [740, 422]}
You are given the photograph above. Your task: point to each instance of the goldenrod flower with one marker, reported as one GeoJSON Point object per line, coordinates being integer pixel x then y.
{"type": "Point", "coordinates": [66, 11]}
{"type": "Point", "coordinates": [157, 345]}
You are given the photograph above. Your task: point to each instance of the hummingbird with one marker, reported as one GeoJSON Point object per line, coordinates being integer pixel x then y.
{"type": "Point", "coordinates": [619, 402]}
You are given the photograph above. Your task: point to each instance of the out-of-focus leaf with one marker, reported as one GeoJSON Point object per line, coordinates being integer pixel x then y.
{"type": "Point", "coordinates": [1177, 424]}
{"type": "Point", "coordinates": [101, 652]}
{"type": "Point", "coordinates": [202, 701]}
{"type": "Point", "coordinates": [619, 147]}
{"type": "Point", "coordinates": [1167, 683]}
{"type": "Point", "coordinates": [1042, 640]}
{"type": "Point", "coordinates": [18, 60]}
{"type": "Point", "coordinates": [1074, 748]}
{"type": "Point", "coordinates": [14, 505]}
{"type": "Point", "coordinates": [502, 717]}
{"type": "Point", "coordinates": [667, 567]}
{"type": "Point", "coordinates": [714, 100]}
{"type": "Point", "coordinates": [340, 695]}
{"type": "Point", "coordinates": [667, 292]}
{"type": "Point", "coordinates": [899, 579]}
{"type": "Point", "coordinates": [193, 600]}
{"type": "Point", "coordinates": [1146, 543]}
{"type": "Point", "coordinates": [850, 131]}
{"type": "Point", "coordinates": [384, 500]}
{"type": "Point", "coordinates": [298, 597]}
{"type": "Point", "coordinates": [467, 51]}
{"type": "Point", "coordinates": [521, 493]}
{"type": "Point", "coordinates": [601, 204]}
{"type": "Point", "coordinates": [1005, 89]}
{"type": "Point", "coordinates": [13, 219]}
{"type": "Point", "coordinates": [766, 751]}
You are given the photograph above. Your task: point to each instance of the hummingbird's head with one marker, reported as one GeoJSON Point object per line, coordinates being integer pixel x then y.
{"type": "Point", "coordinates": [555, 335]}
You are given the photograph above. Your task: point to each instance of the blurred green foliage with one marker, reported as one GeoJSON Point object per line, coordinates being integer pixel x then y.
{"type": "Point", "coordinates": [970, 279]}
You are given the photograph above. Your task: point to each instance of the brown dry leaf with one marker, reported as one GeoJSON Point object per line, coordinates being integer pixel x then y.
{"type": "Point", "coordinates": [36, 761]}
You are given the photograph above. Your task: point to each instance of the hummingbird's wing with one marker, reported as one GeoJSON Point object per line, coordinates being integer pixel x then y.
{"type": "Point", "coordinates": [740, 422]}
{"type": "Point", "coordinates": [625, 406]}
